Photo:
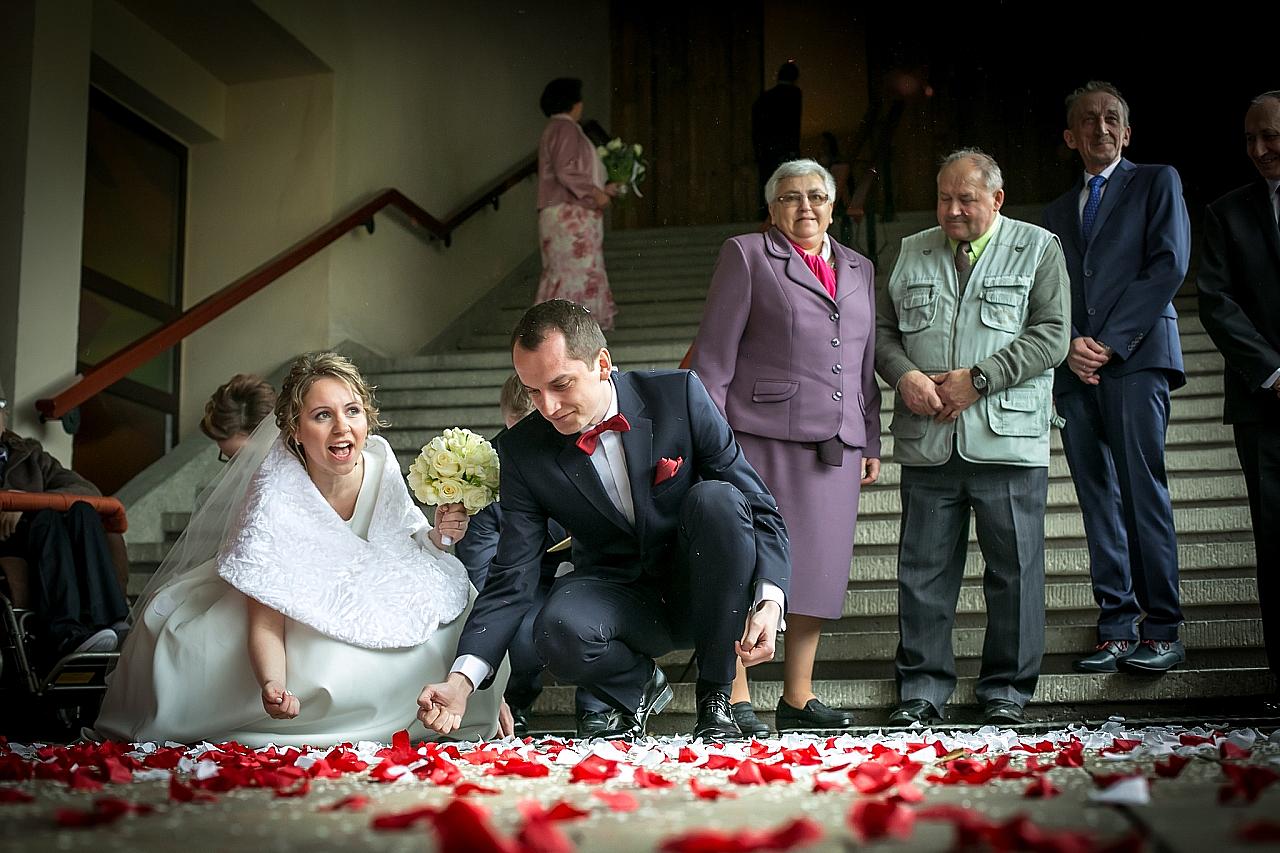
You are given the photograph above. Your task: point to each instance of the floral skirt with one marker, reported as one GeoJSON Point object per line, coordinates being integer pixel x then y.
{"type": "Point", "coordinates": [572, 241]}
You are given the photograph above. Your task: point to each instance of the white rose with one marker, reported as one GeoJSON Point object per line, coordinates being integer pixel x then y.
{"type": "Point", "coordinates": [475, 498]}
{"type": "Point", "coordinates": [449, 490]}
{"type": "Point", "coordinates": [637, 149]}
{"type": "Point", "coordinates": [446, 464]}
{"type": "Point", "coordinates": [423, 490]}
{"type": "Point", "coordinates": [479, 461]}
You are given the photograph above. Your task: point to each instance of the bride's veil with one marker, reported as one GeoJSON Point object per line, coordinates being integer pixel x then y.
{"type": "Point", "coordinates": [216, 510]}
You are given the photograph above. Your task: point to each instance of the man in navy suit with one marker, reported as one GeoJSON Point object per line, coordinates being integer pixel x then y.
{"type": "Point", "coordinates": [1125, 234]}
{"type": "Point", "coordinates": [675, 535]}
{"type": "Point", "coordinates": [1239, 283]}
{"type": "Point", "coordinates": [477, 549]}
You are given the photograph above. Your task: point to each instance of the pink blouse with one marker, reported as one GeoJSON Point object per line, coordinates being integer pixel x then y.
{"type": "Point", "coordinates": [568, 166]}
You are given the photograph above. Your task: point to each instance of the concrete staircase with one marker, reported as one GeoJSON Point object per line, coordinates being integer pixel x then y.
{"type": "Point", "coordinates": [659, 278]}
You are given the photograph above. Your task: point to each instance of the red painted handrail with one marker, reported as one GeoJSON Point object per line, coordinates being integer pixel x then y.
{"type": "Point", "coordinates": [120, 364]}
{"type": "Point", "coordinates": [110, 510]}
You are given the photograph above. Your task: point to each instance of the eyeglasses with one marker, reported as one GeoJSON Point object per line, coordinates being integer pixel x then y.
{"type": "Point", "coordinates": [816, 199]}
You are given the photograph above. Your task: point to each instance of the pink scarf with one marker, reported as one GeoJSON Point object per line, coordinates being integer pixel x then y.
{"type": "Point", "coordinates": [820, 269]}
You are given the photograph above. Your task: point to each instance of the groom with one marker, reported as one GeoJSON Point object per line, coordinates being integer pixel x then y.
{"type": "Point", "coordinates": [675, 535]}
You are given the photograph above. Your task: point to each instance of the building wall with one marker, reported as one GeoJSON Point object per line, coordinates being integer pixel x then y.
{"type": "Point", "coordinates": [434, 101]}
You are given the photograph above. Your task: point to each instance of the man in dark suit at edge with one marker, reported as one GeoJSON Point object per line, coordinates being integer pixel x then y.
{"type": "Point", "coordinates": [1239, 281]}
{"type": "Point", "coordinates": [1127, 242]}
{"type": "Point", "coordinates": [675, 535]}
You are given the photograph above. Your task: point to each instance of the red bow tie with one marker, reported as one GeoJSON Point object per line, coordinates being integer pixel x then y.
{"type": "Point", "coordinates": [588, 440]}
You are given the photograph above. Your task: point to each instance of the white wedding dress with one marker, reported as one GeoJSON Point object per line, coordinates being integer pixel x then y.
{"type": "Point", "coordinates": [374, 612]}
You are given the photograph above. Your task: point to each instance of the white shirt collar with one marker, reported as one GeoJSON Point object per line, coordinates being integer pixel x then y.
{"type": "Point", "coordinates": [1106, 173]}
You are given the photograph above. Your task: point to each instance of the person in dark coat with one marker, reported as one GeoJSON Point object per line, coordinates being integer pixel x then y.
{"type": "Point", "coordinates": [477, 549]}
{"type": "Point", "coordinates": [65, 565]}
{"type": "Point", "coordinates": [775, 124]}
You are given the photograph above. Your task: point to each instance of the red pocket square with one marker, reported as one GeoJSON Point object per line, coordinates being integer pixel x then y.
{"type": "Point", "coordinates": [667, 469]}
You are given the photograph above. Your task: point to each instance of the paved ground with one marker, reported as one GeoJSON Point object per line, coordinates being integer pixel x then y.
{"type": "Point", "coordinates": [830, 793]}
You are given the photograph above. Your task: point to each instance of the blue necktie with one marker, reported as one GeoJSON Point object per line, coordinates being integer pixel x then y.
{"type": "Point", "coordinates": [1091, 206]}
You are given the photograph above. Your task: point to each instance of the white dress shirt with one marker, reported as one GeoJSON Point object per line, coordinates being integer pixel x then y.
{"type": "Point", "coordinates": [611, 466]}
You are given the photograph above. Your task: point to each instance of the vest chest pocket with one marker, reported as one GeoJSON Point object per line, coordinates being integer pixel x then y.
{"type": "Point", "coordinates": [918, 307]}
{"type": "Point", "coordinates": [1004, 301]}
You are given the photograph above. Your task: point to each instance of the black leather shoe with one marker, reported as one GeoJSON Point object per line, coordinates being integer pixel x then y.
{"type": "Point", "coordinates": [911, 711]}
{"type": "Point", "coordinates": [1106, 656]}
{"type": "Point", "coordinates": [596, 723]}
{"type": "Point", "coordinates": [745, 716]}
{"type": "Point", "coordinates": [520, 721]}
{"type": "Point", "coordinates": [1155, 657]}
{"type": "Point", "coordinates": [1002, 712]}
{"type": "Point", "coordinates": [654, 699]}
{"type": "Point", "coordinates": [814, 715]}
{"type": "Point", "coordinates": [715, 718]}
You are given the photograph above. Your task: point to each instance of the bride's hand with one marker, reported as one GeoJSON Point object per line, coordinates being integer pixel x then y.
{"type": "Point", "coordinates": [451, 521]}
{"type": "Point", "coordinates": [279, 702]}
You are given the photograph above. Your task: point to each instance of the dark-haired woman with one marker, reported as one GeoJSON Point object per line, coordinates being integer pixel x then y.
{"type": "Point", "coordinates": [572, 196]}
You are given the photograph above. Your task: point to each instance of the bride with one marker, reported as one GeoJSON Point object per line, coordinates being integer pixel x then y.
{"type": "Point", "coordinates": [308, 600]}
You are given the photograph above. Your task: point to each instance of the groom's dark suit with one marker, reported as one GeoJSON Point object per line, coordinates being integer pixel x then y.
{"type": "Point", "coordinates": [684, 572]}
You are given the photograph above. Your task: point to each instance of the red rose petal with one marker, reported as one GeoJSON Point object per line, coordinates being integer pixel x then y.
{"type": "Point", "coordinates": [404, 819]}
{"type": "Point", "coordinates": [519, 767]}
{"type": "Point", "coordinates": [704, 792]}
{"type": "Point", "coordinates": [468, 788]}
{"type": "Point", "coordinates": [717, 761]}
{"type": "Point", "coordinates": [463, 825]}
{"type": "Point", "coordinates": [748, 773]}
{"type": "Point", "coordinates": [349, 803]}
{"type": "Point", "coordinates": [873, 819]}
{"type": "Point", "coordinates": [618, 801]}
{"type": "Point", "coordinates": [1041, 787]}
{"type": "Point", "coordinates": [1232, 752]}
{"type": "Point", "coordinates": [1197, 740]}
{"type": "Point", "coordinates": [1072, 755]}
{"type": "Point", "coordinates": [593, 768]}
{"type": "Point", "coordinates": [822, 786]}
{"type": "Point", "coordinates": [1259, 831]}
{"type": "Point", "coordinates": [687, 756]}
{"type": "Point", "coordinates": [795, 834]}
{"type": "Point", "coordinates": [1171, 767]}
{"type": "Point", "coordinates": [645, 779]}
{"type": "Point", "coordinates": [299, 789]}
{"type": "Point", "coordinates": [540, 835]}
{"type": "Point", "coordinates": [180, 793]}
{"type": "Point", "coordinates": [14, 795]}
{"type": "Point", "coordinates": [1245, 782]}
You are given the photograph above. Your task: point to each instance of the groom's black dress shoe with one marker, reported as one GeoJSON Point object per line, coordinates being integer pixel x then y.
{"type": "Point", "coordinates": [520, 721]}
{"type": "Point", "coordinates": [715, 718]}
{"type": "Point", "coordinates": [654, 699]}
{"type": "Point", "coordinates": [596, 723]}
{"type": "Point", "coordinates": [911, 711]}
{"type": "Point", "coordinates": [745, 716]}
{"type": "Point", "coordinates": [814, 715]}
{"type": "Point", "coordinates": [1155, 657]}
{"type": "Point", "coordinates": [1002, 712]}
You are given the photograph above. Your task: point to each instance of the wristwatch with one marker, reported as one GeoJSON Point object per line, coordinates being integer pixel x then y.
{"type": "Point", "coordinates": [979, 379]}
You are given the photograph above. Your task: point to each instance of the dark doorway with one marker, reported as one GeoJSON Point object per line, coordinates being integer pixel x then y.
{"type": "Point", "coordinates": [131, 283]}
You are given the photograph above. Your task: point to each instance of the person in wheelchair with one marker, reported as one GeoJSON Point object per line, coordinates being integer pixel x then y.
{"type": "Point", "coordinates": [59, 564]}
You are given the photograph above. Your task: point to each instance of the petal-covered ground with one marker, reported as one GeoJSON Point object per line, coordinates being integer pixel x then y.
{"type": "Point", "coordinates": [1077, 789]}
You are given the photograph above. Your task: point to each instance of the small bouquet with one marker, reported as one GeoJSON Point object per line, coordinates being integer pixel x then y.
{"type": "Point", "coordinates": [623, 164]}
{"type": "Point", "coordinates": [457, 466]}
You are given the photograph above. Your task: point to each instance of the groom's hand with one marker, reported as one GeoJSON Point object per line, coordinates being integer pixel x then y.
{"type": "Point", "coordinates": [441, 706]}
{"type": "Point", "coordinates": [760, 634]}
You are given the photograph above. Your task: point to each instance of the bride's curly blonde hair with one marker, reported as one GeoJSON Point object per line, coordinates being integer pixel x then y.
{"type": "Point", "coordinates": [303, 373]}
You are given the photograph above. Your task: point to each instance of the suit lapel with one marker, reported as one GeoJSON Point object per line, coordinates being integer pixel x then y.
{"type": "Point", "coordinates": [1267, 221]}
{"type": "Point", "coordinates": [577, 466]}
{"type": "Point", "coordinates": [795, 268]}
{"type": "Point", "coordinates": [1074, 229]}
{"type": "Point", "coordinates": [637, 447]}
{"type": "Point", "coordinates": [848, 282]}
{"type": "Point", "coordinates": [1114, 191]}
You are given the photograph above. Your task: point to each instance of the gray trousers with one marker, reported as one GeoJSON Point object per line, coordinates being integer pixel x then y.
{"type": "Point", "coordinates": [1008, 503]}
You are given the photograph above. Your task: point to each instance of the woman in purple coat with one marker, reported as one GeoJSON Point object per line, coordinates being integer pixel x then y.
{"type": "Point", "coordinates": [786, 349]}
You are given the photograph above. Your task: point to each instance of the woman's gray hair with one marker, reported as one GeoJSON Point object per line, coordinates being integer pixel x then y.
{"type": "Point", "coordinates": [798, 169]}
{"type": "Point", "coordinates": [987, 166]}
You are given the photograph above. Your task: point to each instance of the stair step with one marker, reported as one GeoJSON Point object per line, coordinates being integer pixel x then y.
{"type": "Point", "coordinates": [378, 369]}
{"type": "Point", "coordinates": [1071, 595]}
{"type": "Point", "coordinates": [1072, 640]}
{"type": "Point", "coordinates": [1053, 689]}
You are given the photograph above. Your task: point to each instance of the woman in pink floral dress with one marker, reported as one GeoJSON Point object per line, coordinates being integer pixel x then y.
{"type": "Point", "coordinates": [572, 196]}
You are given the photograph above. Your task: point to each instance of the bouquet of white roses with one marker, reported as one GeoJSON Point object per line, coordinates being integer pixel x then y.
{"type": "Point", "coordinates": [457, 466]}
{"type": "Point", "coordinates": [623, 164]}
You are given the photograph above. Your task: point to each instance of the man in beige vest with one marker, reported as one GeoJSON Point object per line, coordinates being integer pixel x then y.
{"type": "Point", "coordinates": [974, 319]}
